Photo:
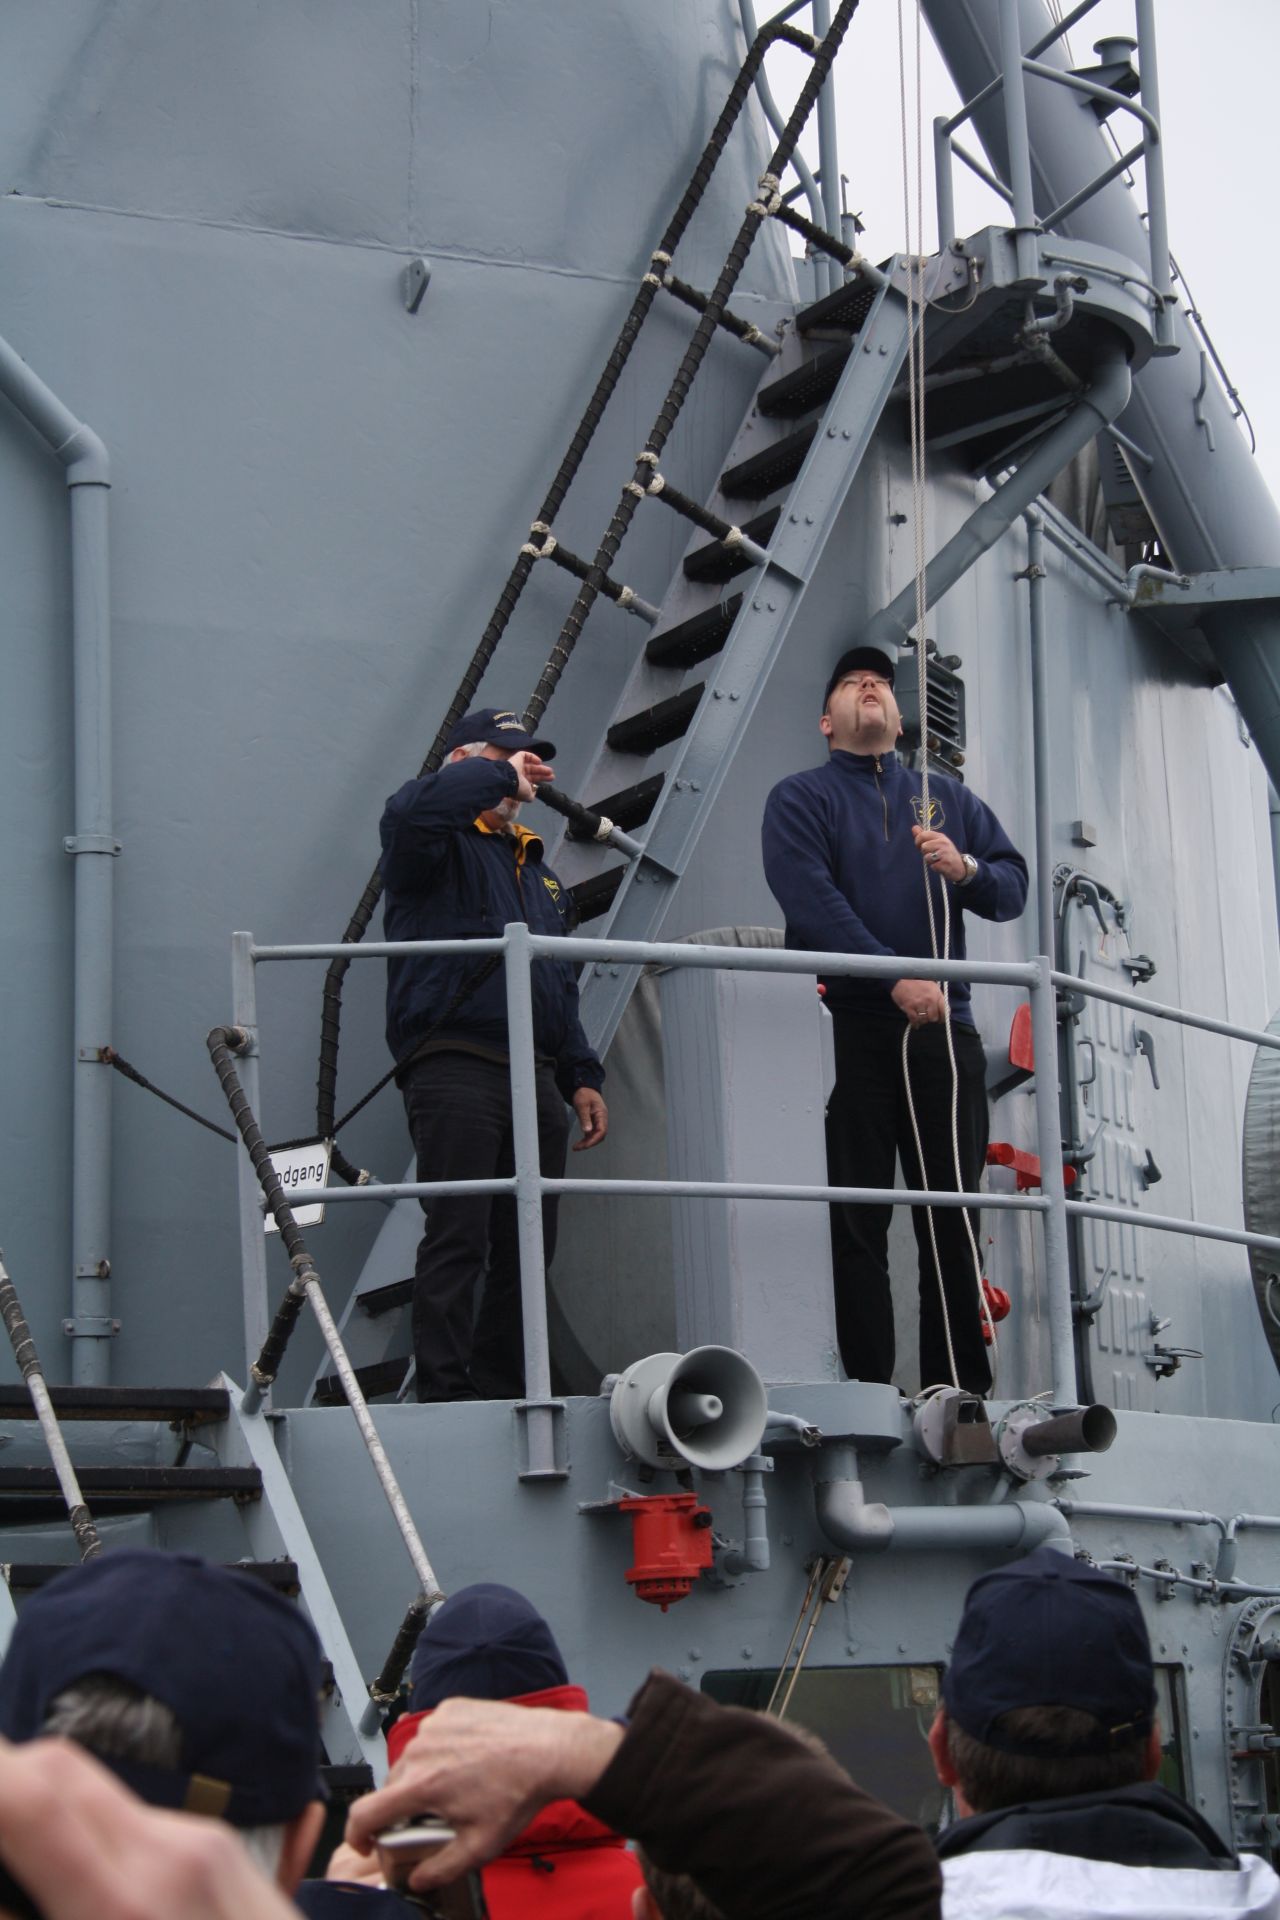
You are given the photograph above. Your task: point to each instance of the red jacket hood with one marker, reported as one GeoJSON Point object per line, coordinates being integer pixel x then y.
{"type": "Point", "coordinates": [565, 1865]}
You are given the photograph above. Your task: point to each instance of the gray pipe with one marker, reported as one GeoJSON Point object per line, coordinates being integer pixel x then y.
{"type": "Point", "coordinates": [1273, 803]}
{"type": "Point", "coordinates": [93, 847]}
{"type": "Point", "coordinates": [859, 1525]}
{"type": "Point", "coordinates": [1095, 409]}
{"type": "Point", "coordinates": [1203, 490]}
{"type": "Point", "coordinates": [1040, 734]}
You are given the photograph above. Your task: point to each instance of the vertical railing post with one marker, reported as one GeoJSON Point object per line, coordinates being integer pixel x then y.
{"type": "Point", "coordinates": [1015, 122]}
{"type": "Point", "coordinates": [828, 149]}
{"type": "Point", "coordinates": [253, 1240]}
{"type": "Point", "coordinates": [1040, 735]}
{"type": "Point", "coordinates": [1153, 159]}
{"type": "Point", "coordinates": [539, 1414]}
{"type": "Point", "coordinates": [944, 185]}
{"type": "Point", "coordinates": [1044, 1027]}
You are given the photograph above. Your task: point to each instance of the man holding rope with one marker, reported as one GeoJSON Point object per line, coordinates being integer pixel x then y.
{"type": "Point", "coordinates": [843, 847]}
{"type": "Point", "coordinates": [456, 865]}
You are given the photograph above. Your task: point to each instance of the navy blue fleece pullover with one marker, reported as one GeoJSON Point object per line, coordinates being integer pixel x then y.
{"type": "Point", "coordinates": [842, 865]}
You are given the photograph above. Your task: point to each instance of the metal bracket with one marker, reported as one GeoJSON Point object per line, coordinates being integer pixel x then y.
{"type": "Point", "coordinates": [90, 1326]}
{"type": "Point", "coordinates": [414, 282]}
{"type": "Point", "coordinates": [91, 843]}
{"type": "Point", "coordinates": [1143, 1043]}
{"type": "Point", "coordinates": [559, 1470]}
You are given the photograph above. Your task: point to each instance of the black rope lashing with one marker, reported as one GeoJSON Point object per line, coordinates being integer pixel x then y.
{"type": "Point", "coordinates": [658, 488]}
{"type": "Point", "coordinates": [758, 210]}
{"type": "Point", "coordinates": [543, 545]}
{"type": "Point", "coordinates": [464, 697]}
{"type": "Point", "coordinates": [385, 1690]}
{"type": "Point", "coordinates": [110, 1058]}
{"type": "Point", "coordinates": [24, 1352]}
{"type": "Point", "coordinates": [818, 237]}
{"type": "Point", "coordinates": [731, 322]}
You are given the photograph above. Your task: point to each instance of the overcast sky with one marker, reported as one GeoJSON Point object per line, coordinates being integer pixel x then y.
{"type": "Point", "coordinates": [1220, 113]}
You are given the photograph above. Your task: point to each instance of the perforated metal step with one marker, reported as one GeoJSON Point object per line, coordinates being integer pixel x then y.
{"type": "Point", "coordinates": [32, 1493]}
{"type": "Point", "coordinates": [777, 466]}
{"type": "Point", "coordinates": [811, 385]}
{"type": "Point", "coordinates": [179, 1406]}
{"type": "Point", "coordinates": [653, 727]}
{"type": "Point", "coordinates": [594, 896]}
{"type": "Point", "coordinates": [842, 311]}
{"type": "Point", "coordinates": [696, 639]}
{"type": "Point", "coordinates": [384, 1376]}
{"type": "Point", "coordinates": [629, 808]}
{"type": "Point", "coordinates": [717, 562]}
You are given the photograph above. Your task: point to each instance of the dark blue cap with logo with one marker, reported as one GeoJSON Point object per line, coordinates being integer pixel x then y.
{"type": "Point", "coordinates": [498, 727]}
{"type": "Point", "coordinates": [237, 1665]}
{"type": "Point", "coordinates": [1051, 1631]}
{"type": "Point", "coordinates": [859, 660]}
{"type": "Point", "coordinates": [486, 1642]}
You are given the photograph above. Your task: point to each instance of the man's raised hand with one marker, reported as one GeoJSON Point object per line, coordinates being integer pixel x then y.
{"type": "Point", "coordinates": [530, 772]}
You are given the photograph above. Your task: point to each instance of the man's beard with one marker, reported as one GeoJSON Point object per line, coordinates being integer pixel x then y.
{"type": "Point", "coordinates": [507, 809]}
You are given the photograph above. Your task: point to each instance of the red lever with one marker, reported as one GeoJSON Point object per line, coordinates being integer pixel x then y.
{"type": "Point", "coordinates": [1026, 1166]}
{"type": "Point", "coordinates": [1022, 1051]}
{"type": "Point", "coordinates": [671, 1540]}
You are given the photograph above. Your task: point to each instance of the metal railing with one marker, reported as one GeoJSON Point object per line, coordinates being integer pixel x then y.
{"type": "Point", "coordinates": [1019, 193]}
{"type": "Point", "coordinates": [527, 1185]}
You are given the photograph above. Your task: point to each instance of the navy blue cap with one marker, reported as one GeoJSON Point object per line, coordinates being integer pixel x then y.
{"type": "Point", "coordinates": [1051, 1631]}
{"type": "Point", "coordinates": [859, 660]}
{"type": "Point", "coordinates": [498, 727]}
{"type": "Point", "coordinates": [488, 1643]}
{"type": "Point", "coordinates": [238, 1665]}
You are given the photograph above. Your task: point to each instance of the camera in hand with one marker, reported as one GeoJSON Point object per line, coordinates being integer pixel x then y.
{"type": "Point", "coordinates": [401, 1849]}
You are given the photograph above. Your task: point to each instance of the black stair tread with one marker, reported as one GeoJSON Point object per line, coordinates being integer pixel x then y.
{"type": "Point", "coordinates": [717, 562]}
{"type": "Point", "coordinates": [386, 1299]}
{"type": "Point", "coordinates": [349, 1782]}
{"type": "Point", "coordinates": [192, 1406]}
{"type": "Point", "coordinates": [630, 807]}
{"type": "Point", "coordinates": [843, 311]}
{"type": "Point", "coordinates": [696, 639]}
{"type": "Point", "coordinates": [129, 1482]}
{"type": "Point", "coordinates": [381, 1376]}
{"type": "Point", "coordinates": [24, 1576]}
{"type": "Point", "coordinates": [808, 386]}
{"type": "Point", "coordinates": [654, 727]}
{"type": "Point", "coordinates": [594, 896]}
{"type": "Point", "coordinates": [773, 467]}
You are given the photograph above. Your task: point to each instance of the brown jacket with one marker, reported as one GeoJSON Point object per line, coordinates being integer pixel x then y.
{"type": "Point", "coordinates": [769, 1829]}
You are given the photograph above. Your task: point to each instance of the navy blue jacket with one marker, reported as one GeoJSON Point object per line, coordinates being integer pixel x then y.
{"type": "Point", "coordinates": [842, 865]}
{"type": "Point", "coordinates": [445, 878]}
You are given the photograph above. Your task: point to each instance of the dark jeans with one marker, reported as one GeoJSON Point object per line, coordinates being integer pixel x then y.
{"type": "Point", "coordinates": [868, 1126]}
{"type": "Point", "coordinates": [459, 1109]}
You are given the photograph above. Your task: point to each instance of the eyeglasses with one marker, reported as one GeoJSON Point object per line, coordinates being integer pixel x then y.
{"type": "Point", "coordinates": [867, 680]}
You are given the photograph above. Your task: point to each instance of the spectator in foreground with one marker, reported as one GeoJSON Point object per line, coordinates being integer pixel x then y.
{"type": "Point", "coordinates": [1049, 1740]}
{"type": "Point", "coordinates": [489, 1643]}
{"type": "Point", "coordinates": [197, 1685]}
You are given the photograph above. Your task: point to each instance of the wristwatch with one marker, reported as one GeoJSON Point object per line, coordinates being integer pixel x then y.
{"type": "Point", "coordinates": [970, 869]}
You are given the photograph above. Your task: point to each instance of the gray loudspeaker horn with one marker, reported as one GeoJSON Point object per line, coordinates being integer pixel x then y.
{"type": "Point", "coordinates": [706, 1408]}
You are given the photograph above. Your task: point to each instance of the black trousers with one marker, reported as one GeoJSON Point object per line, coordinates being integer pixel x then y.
{"type": "Point", "coordinates": [868, 1127]}
{"type": "Point", "coordinates": [459, 1110]}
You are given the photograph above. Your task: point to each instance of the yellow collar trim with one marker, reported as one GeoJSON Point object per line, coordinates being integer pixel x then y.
{"type": "Point", "coordinates": [524, 837]}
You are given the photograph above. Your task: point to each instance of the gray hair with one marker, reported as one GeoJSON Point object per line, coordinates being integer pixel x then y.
{"type": "Point", "coordinates": [472, 748]}
{"type": "Point", "coordinates": [117, 1721]}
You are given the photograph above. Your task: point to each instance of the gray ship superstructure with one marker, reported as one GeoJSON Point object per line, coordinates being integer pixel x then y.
{"type": "Point", "coordinates": [398, 357]}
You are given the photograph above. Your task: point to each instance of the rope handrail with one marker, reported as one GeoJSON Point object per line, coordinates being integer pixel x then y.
{"type": "Point", "coordinates": [24, 1352]}
{"type": "Point", "coordinates": [223, 1044]}
{"type": "Point", "coordinates": [651, 284]}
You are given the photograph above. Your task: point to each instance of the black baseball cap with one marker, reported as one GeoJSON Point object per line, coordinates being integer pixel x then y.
{"type": "Point", "coordinates": [498, 727]}
{"type": "Point", "coordinates": [858, 660]}
{"type": "Point", "coordinates": [237, 1664]}
{"type": "Point", "coordinates": [1051, 1631]}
